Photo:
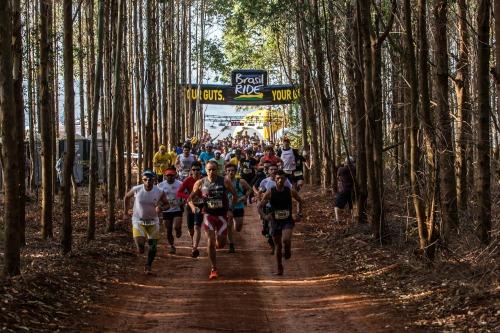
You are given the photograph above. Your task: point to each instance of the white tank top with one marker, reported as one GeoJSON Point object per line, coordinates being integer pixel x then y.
{"type": "Point", "coordinates": [171, 193]}
{"type": "Point", "coordinates": [145, 202]}
{"type": "Point", "coordinates": [288, 159]}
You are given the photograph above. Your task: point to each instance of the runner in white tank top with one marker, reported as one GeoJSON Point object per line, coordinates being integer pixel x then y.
{"type": "Point", "coordinates": [173, 215]}
{"type": "Point", "coordinates": [184, 162]}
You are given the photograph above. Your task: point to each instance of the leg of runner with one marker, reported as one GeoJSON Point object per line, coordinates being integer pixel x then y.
{"type": "Point", "coordinates": [190, 221]}
{"type": "Point", "coordinates": [178, 226]}
{"type": "Point", "coordinates": [210, 234]}
{"type": "Point", "coordinates": [278, 242]}
{"type": "Point", "coordinates": [170, 237]}
{"type": "Point", "coordinates": [230, 236]}
{"type": "Point", "coordinates": [151, 254]}
{"type": "Point", "coordinates": [287, 242]}
{"type": "Point", "coordinates": [140, 243]}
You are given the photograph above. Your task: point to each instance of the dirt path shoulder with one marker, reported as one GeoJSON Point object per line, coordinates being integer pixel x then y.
{"type": "Point", "coordinates": [247, 297]}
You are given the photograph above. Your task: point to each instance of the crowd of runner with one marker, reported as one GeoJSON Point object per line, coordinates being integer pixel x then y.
{"type": "Point", "coordinates": [213, 182]}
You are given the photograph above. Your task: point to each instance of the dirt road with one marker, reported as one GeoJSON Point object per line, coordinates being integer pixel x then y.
{"type": "Point", "coordinates": [247, 297]}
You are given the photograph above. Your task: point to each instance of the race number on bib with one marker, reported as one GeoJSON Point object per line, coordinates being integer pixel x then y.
{"type": "Point", "coordinates": [214, 204]}
{"type": "Point", "coordinates": [297, 173]}
{"type": "Point", "coordinates": [147, 222]}
{"type": "Point", "coordinates": [281, 214]}
{"type": "Point", "coordinates": [198, 201]}
{"type": "Point", "coordinates": [247, 171]}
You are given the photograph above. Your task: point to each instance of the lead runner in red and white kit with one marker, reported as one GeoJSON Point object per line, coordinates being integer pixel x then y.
{"type": "Point", "coordinates": [213, 189]}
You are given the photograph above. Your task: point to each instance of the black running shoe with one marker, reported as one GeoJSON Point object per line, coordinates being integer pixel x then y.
{"type": "Point", "coordinates": [195, 253]}
{"type": "Point", "coordinates": [231, 248]}
{"type": "Point", "coordinates": [172, 250]}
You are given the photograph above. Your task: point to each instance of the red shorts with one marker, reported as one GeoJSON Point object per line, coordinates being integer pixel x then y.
{"type": "Point", "coordinates": [215, 223]}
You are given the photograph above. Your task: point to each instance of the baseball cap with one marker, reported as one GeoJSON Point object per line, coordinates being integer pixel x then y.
{"type": "Point", "coordinates": [170, 172]}
{"type": "Point", "coordinates": [148, 174]}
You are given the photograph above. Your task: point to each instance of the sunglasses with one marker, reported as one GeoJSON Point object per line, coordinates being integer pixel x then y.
{"type": "Point", "coordinates": [147, 179]}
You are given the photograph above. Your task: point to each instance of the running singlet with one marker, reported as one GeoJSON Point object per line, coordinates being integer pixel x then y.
{"type": "Point", "coordinates": [281, 204]}
{"type": "Point", "coordinates": [288, 158]}
{"type": "Point", "coordinates": [214, 196]}
{"type": "Point", "coordinates": [185, 164]}
{"type": "Point", "coordinates": [240, 192]}
{"type": "Point", "coordinates": [171, 193]}
{"type": "Point", "coordinates": [246, 168]}
{"type": "Point", "coordinates": [145, 202]}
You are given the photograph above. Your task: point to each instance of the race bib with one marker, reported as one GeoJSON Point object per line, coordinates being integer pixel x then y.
{"type": "Point", "coordinates": [247, 171]}
{"type": "Point", "coordinates": [297, 173]}
{"type": "Point", "coordinates": [147, 222]}
{"type": "Point", "coordinates": [214, 204]}
{"type": "Point", "coordinates": [198, 201]}
{"type": "Point", "coordinates": [281, 214]}
{"type": "Point", "coordinates": [173, 202]}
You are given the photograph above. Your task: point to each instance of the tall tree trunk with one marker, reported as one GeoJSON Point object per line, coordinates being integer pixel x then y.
{"type": "Point", "coordinates": [45, 120]}
{"type": "Point", "coordinates": [94, 167]}
{"type": "Point", "coordinates": [483, 124]}
{"type": "Point", "coordinates": [69, 124]}
{"type": "Point", "coordinates": [17, 75]}
{"type": "Point", "coordinates": [114, 121]}
{"type": "Point", "coordinates": [447, 187]}
{"type": "Point", "coordinates": [464, 129]}
{"type": "Point", "coordinates": [81, 84]}
{"type": "Point", "coordinates": [9, 150]}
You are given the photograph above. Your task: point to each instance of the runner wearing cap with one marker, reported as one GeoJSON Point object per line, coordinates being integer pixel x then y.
{"type": "Point", "coordinates": [214, 190]}
{"type": "Point", "coordinates": [206, 156]}
{"type": "Point", "coordinates": [194, 220]}
{"type": "Point", "coordinates": [184, 162]}
{"type": "Point", "coordinates": [288, 156]}
{"type": "Point", "coordinates": [220, 163]}
{"type": "Point", "coordinates": [145, 223]}
{"type": "Point", "coordinates": [173, 215]}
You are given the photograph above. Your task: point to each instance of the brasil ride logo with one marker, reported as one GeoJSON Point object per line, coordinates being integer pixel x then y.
{"type": "Point", "coordinates": [249, 86]}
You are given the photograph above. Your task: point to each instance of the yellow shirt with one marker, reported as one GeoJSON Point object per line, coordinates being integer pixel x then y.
{"type": "Point", "coordinates": [234, 161]}
{"type": "Point", "coordinates": [162, 162]}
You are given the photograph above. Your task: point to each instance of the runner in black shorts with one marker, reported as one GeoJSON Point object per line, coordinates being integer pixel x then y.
{"type": "Point", "coordinates": [280, 217]}
{"type": "Point", "coordinates": [173, 215]}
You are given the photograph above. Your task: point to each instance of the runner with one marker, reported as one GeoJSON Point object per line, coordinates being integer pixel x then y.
{"type": "Point", "coordinates": [243, 190]}
{"type": "Point", "coordinates": [247, 165]}
{"type": "Point", "coordinates": [287, 155]}
{"type": "Point", "coordinates": [145, 222]}
{"type": "Point", "coordinates": [298, 174]}
{"type": "Point", "coordinates": [194, 220]}
{"type": "Point", "coordinates": [214, 190]}
{"type": "Point", "coordinates": [173, 215]}
{"type": "Point", "coordinates": [269, 156]}
{"type": "Point", "coordinates": [184, 161]}
{"type": "Point", "coordinates": [206, 156]}
{"type": "Point", "coordinates": [161, 161]}
{"type": "Point", "coordinates": [220, 163]}
{"type": "Point", "coordinates": [280, 216]}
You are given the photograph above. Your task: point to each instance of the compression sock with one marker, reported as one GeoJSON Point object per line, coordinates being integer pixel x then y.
{"type": "Point", "coordinates": [152, 251]}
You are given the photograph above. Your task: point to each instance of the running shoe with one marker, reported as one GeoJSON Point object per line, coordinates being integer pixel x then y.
{"type": "Point", "coordinates": [231, 248]}
{"type": "Point", "coordinates": [213, 274]}
{"type": "Point", "coordinates": [172, 250]}
{"type": "Point", "coordinates": [178, 233]}
{"type": "Point", "coordinates": [280, 270]}
{"type": "Point", "coordinates": [195, 253]}
{"type": "Point", "coordinates": [147, 270]}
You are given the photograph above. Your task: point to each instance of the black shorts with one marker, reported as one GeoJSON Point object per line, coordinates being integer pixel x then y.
{"type": "Point", "coordinates": [343, 198]}
{"type": "Point", "coordinates": [239, 212]}
{"type": "Point", "coordinates": [276, 226]}
{"type": "Point", "coordinates": [193, 219]}
{"type": "Point", "coordinates": [170, 215]}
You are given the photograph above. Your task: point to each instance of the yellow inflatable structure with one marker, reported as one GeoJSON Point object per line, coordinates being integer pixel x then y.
{"type": "Point", "coordinates": [271, 121]}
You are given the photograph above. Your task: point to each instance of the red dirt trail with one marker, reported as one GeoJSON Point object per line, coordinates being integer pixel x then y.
{"type": "Point", "coordinates": [247, 296]}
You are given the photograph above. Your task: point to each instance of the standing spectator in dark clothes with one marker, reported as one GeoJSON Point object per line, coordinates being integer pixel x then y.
{"type": "Point", "coordinates": [345, 176]}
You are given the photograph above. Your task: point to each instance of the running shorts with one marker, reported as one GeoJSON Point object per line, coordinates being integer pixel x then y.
{"type": "Point", "coordinates": [215, 223]}
{"type": "Point", "coordinates": [238, 212]}
{"type": "Point", "coordinates": [149, 229]}
{"type": "Point", "coordinates": [276, 227]}
{"type": "Point", "coordinates": [193, 219]}
{"type": "Point", "coordinates": [342, 199]}
{"type": "Point", "coordinates": [170, 215]}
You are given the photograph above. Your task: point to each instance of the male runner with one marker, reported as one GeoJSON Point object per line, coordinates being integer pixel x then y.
{"type": "Point", "coordinates": [184, 162]}
{"type": "Point", "coordinates": [173, 215]}
{"type": "Point", "coordinates": [220, 162]}
{"type": "Point", "coordinates": [269, 156]}
{"type": "Point", "coordinates": [243, 190]}
{"type": "Point", "coordinates": [280, 216]}
{"type": "Point", "coordinates": [214, 190]}
{"type": "Point", "coordinates": [287, 155]}
{"type": "Point", "coordinates": [194, 220]}
{"type": "Point", "coordinates": [145, 222]}
{"type": "Point", "coordinates": [206, 156]}
{"type": "Point", "coordinates": [161, 161]}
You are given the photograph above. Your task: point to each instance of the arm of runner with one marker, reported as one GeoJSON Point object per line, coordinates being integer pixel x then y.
{"type": "Point", "coordinates": [247, 189]}
{"type": "Point", "coordinates": [196, 192]}
{"type": "Point", "coordinates": [126, 201]}
{"type": "Point", "coordinates": [181, 192]}
{"type": "Point", "coordinates": [165, 204]}
{"type": "Point", "coordinates": [265, 199]}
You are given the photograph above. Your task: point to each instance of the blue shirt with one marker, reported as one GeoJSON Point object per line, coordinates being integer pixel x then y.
{"type": "Point", "coordinates": [204, 158]}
